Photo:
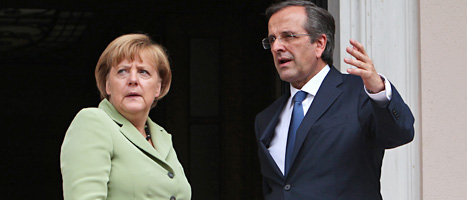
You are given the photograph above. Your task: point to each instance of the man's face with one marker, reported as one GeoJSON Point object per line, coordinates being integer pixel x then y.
{"type": "Point", "coordinates": [296, 59]}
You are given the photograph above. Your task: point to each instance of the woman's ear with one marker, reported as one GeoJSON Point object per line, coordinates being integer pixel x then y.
{"type": "Point", "coordinates": [107, 87]}
{"type": "Point", "coordinates": [158, 89]}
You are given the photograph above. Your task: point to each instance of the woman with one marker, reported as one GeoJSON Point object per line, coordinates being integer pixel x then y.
{"type": "Point", "coordinates": [116, 151]}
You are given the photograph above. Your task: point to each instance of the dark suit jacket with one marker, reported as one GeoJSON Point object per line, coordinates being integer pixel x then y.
{"type": "Point", "coordinates": [339, 146]}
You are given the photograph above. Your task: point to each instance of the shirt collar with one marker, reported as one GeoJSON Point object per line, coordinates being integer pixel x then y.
{"type": "Point", "coordinates": [312, 86]}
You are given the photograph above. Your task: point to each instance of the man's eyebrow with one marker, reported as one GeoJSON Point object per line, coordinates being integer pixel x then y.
{"type": "Point", "coordinates": [287, 32]}
{"type": "Point", "coordinates": [282, 33]}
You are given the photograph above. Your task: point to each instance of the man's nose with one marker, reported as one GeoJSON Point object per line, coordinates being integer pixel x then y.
{"type": "Point", "coordinates": [277, 46]}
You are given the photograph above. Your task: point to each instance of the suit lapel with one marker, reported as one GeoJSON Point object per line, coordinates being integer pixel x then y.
{"type": "Point", "coordinates": [325, 97]}
{"type": "Point", "coordinates": [272, 117]}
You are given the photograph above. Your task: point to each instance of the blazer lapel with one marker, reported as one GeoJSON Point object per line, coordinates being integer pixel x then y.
{"type": "Point", "coordinates": [162, 140]}
{"type": "Point", "coordinates": [135, 137]}
{"type": "Point", "coordinates": [325, 97]}
{"type": "Point", "coordinates": [159, 137]}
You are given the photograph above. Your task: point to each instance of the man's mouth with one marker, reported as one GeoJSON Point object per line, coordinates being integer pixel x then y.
{"type": "Point", "coordinates": [284, 60]}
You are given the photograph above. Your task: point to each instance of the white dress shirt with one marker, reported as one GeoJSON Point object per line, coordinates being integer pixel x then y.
{"type": "Point", "coordinates": [279, 141]}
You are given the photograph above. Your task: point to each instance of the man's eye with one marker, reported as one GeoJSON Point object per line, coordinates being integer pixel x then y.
{"type": "Point", "coordinates": [288, 37]}
{"type": "Point", "coordinates": [271, 39]}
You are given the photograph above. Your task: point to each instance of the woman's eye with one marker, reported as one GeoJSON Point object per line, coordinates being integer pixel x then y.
{"type": "Point", "coordinates": [144, 73]}
{"type": "Point", "coordinates": [121, 71]}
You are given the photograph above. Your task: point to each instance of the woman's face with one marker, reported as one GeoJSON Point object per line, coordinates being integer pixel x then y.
{"type": "Point", "coordinates": [133, 86]}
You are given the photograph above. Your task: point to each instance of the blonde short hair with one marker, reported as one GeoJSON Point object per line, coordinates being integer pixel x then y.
{"type": "Point", "coordinates": [130, 47]}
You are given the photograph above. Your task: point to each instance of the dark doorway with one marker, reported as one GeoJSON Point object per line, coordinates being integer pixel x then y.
{"type": "Point", "coordinates": [221, 79]}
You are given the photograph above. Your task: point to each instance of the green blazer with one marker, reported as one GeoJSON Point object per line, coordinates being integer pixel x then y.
{"type": "Point", "coordinates": [103, 156]}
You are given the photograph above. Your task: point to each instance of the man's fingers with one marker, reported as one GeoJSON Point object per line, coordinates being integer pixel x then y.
{"type": "Point", "coordinates": [355, 71]}
{"type": "Point", "coordinates": [358, 46]}
{"type": "Point", "coordinates": [357, 54]}
{"type": "Point", "coordinates": [356, 63]}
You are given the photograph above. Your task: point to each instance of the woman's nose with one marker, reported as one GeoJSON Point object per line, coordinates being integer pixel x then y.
{"type": "Point", "coordinates": [133, 78]}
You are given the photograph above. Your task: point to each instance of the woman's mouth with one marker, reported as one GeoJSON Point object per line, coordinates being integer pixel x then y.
{"type": "Point", "coordinates": [133, 94]}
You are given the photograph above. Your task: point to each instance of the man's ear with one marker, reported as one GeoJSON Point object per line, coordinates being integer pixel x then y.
{"type": "Point", "coordinates": [321, 43]}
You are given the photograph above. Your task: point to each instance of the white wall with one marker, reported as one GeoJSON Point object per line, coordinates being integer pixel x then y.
{"type": "Point", "coordinates": [389, 30]}
{"type": "Point", "coordinates": [443, 44]}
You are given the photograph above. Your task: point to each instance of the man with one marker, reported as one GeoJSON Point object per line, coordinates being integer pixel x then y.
{"type": "Point", "coordinates": [326, 138]}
